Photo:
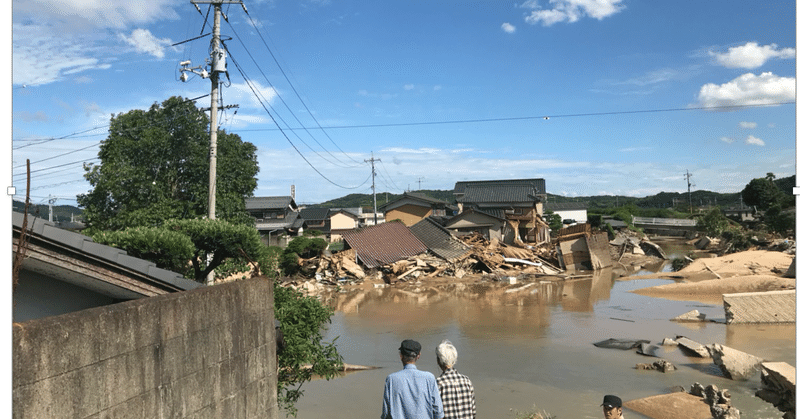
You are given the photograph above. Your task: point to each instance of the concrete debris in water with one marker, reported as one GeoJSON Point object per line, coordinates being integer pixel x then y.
{"type": "Point", "coordinates": [778, 387]}
{"type": "Point", "coordinates": [735, 364]}
{"type": "Point", "coordinates": [661, 365]}
{"type": "Point", "coordinates": [692, 316]}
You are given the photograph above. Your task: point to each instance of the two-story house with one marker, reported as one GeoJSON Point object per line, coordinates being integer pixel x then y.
{"type": "Point", "coordinates": [276, 218]}
{"type": "Point", "coordinates": [412, 207]}
{"type": "Point", "coordinates": [518, 202]}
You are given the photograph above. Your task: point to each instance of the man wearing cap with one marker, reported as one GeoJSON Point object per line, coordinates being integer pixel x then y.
{"type": "Point", "coordinates": [612, 407]}
{"type": "Point", "coordinates": [411, 393]}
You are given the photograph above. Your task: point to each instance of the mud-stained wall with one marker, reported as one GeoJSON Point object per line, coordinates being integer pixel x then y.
{"type": "Point", "coordinates": [205, 353]}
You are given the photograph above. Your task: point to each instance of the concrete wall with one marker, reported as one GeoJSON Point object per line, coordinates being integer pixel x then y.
{"type": "Point", "coordinates": [205, 353]}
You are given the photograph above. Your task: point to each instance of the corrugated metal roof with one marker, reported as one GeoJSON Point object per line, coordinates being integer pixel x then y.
{"type": "Point", "coordinates": [539, 184]}
{"type": "Point", "coordinates": [439, 240]}
{"type": "Point", "coordinates": [384, 244]}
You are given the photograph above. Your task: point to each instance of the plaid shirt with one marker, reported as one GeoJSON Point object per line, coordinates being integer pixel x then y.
{"type": "Point", "coordinates": [458, 396]}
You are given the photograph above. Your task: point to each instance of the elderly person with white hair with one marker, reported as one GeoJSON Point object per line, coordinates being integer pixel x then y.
{"type": "Point", "coordinates": [455, 389]}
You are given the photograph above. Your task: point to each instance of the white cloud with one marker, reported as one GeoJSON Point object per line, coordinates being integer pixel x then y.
{"type": "Point", "coordinates": [54, 38]}
{"type": "Point", "coordinates": [508, 28]}
{"type": "Point", "coordinates": [144, 41]}
{"type": "Point", "coordinates": [571, 11]}
{"type": "Point", "coordinates": [408, 87]}
{"type": "Point", "coordinates": [750, 55]}
{"type": "Point", "coordinates": [726, 140]}
{"type": "Point", "coordinates": [241, 94]}
{"type": "Point", "coordinates": [754, 141]}
{"type": "Point", "coordinates": [748, 125]}
{"type": "Point", "coordinates": [748, 89]}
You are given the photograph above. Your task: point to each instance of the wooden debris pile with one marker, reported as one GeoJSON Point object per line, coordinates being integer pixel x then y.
{"type": "Point", "coordinates": [485, 256]}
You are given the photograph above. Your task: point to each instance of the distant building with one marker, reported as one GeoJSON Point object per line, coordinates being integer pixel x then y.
{"type": "Point", "coordinates": [277, 218]}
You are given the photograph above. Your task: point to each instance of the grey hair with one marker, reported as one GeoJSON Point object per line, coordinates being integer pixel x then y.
{"type": "Point", "coordinates": [446, 354]}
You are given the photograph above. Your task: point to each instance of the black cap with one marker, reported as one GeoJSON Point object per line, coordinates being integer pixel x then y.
{"type": "Point", "coordinates": [410, 347]}
{"type": "Point", "coordinates": [611, 401]}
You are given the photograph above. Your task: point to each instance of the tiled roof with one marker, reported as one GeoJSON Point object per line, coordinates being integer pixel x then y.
{"type": "Point", "coordinates": [46, 231]}
{"type": "Point", "coordinates": [539, 184]}
{"type": "Point", "coordinates": [439, 240]}
{"type": "Point", "coordinates": [269, 202]}
{"type": "Point", "coordinates": [383, 244]}
{"type": "Point", "coordinates": [500, 194]}
{"type": "Point", "coordinates": [290, 221]}
{"type": "Point", "coordinates": [422, 199]}
{"type": "Point", "coordinates": [314, 214]}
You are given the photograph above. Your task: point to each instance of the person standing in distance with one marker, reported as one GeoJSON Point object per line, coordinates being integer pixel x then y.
{"type": "Point", "coordinates": [411, 393]}
{"type": "Point", "coordinates": [455, 389]}
{"type": "Point", "coordinates": [612, 407]}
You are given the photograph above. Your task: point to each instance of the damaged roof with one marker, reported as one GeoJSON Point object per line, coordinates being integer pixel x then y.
{"type": "Point", "coordinates": [440, 241]}
{"type": "Point", "coordinates": [383, 244]}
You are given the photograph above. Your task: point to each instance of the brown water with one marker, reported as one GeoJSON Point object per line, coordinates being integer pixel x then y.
{"type": "Point", "coordinates": [530, 344]}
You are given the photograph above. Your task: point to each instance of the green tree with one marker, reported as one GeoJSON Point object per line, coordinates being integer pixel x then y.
{"type": "Point", "coordinates": [762, 193]}
{"type": "Point", "coordinates": [713, 222]}
{"type": "Point", "coordinates": [191, 247]}
{"type": "Point", "coordinates": [553, 221]}
{"type": "Point", "coordinates": [302, 320]}
{"type": "Point", "coordinates": [777, 220]}
{"type": "Point", "coordinates": [217, 240]}
{"type": "Point", "coordinates": [154, 166]}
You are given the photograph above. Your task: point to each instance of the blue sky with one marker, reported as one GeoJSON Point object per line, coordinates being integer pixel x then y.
{"type": "Point", "coordinates": [595, 96]}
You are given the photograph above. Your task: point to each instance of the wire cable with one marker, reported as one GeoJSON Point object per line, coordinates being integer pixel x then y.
{"type": "Point", "coordinates": [311, 114]}
{"type": "Point", "coordinates": [250, 85]}
{"type": "Point", "coordinates": [543, 117]}
{"type": "Point", "coordinates": [286, 105]}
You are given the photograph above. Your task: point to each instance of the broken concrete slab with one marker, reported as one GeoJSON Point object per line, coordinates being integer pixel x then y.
{"type": "Point", "coordinates": [693, 348]}
{"type": "Point", "coordinates": [760, 307]}
{"type": "Point", "coordinates": [735, 364]}
{"type": "Point", "coordinates": [647, 349]}
{"type": "Point", "coordinates": [778, 386]}
{"type": "Point", "coordinates": [623, 344]}
{"type": "Point", "coordinates": [652, 249]}
{"type": "Point", "coordinates": [669, 406]}
{"type": "Point", "coordinates": [692, 316]}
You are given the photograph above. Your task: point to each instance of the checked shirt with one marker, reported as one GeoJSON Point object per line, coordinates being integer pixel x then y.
{"type": "Point", "coordinates": [458, 396]}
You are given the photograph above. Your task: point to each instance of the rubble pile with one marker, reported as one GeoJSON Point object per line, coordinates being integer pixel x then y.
{"type": "Point", "coordinates": [485, 257]}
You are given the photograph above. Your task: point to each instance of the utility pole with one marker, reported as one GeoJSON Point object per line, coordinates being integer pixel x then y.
{"type": "Point", "coordinates": [372, 161]}
{"type": "Point", "coordinates": [50, 203]}
{"type": "Point", "coordinates": [689, 186]}
{"type": "Point", "coordinates": [217, 66]}
{"type": "Point", "coordinates": [419, 183]}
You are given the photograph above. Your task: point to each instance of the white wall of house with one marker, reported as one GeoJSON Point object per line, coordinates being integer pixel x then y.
{"type": "Point", "coordinates": [579, 216]}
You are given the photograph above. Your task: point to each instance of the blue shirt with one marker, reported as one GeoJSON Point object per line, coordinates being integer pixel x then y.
{"type": "Point", "coordinates": [411, 394]}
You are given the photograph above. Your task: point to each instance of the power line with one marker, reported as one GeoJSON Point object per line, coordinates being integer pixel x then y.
{"type": "Point", "coordinates": [253, 89]}
{"type": "Point", "coordinates": [522, 118]}
{"type": "Point", "coordinates": [311, 114]}
{"type": "Point", "coordinates": [284, 103]}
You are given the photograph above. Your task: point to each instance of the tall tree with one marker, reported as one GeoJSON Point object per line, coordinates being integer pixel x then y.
{"type": "Point", "coordinates": [154, 166]}
{"type": "Point", "coordinates": [762, 193]}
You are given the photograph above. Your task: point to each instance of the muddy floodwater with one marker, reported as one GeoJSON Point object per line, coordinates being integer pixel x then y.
{"type": "Point", "coordinates": [529, 344]}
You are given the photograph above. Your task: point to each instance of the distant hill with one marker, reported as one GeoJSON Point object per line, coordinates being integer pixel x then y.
{"type": "Point", "coordinates": [60, 212]}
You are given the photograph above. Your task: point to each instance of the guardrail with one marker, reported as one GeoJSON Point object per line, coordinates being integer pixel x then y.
{"type": "Point", "coordinates": [676, 222]}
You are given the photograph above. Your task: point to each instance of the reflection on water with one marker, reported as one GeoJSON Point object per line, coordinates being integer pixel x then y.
{"type": "Point", "coordinates": [531, 343]}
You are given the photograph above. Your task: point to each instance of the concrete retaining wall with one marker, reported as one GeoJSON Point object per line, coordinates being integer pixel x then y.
{"type": "Point", "coordinates": [205, 353]}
